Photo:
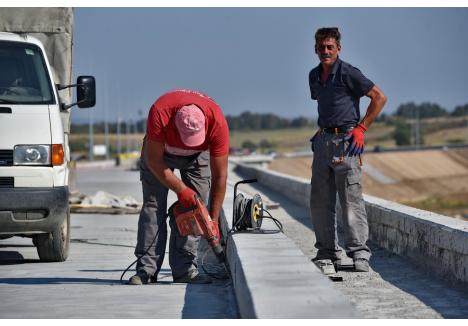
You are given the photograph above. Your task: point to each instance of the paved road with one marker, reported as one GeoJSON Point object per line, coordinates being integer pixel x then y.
{"type": "Point", "coordinates": [393, 289]}
{"type": "Point", "coordinates": [87, 284]}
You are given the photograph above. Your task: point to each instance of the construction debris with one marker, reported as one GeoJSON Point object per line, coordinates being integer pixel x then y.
{"type": "Point", "coordinates": [103, 203]}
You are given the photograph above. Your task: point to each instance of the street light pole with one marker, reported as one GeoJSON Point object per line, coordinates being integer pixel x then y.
{"type": "Point", "coordinates": [127, 133]}
{"type": "Point", "coordinates": [106, 123]}
{"type": "Point", "coordinates": [418, 130]}
{"type": "Point", "coordinates": [91, 135]}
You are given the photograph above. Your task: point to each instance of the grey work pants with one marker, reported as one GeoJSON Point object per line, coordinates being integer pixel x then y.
{"type": "Point", "coordinates": [330, 180]}
{"type": "Point", "coordinates": [196, 174]}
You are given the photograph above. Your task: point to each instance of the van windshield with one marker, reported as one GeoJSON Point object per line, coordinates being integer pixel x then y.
{"type": "Point", "coordinates": [23, 75]}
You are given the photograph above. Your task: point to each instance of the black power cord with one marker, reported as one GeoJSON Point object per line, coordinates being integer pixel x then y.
{"type": "Point", "coordinates": [277, 222]}
{"type": "Point", "coordinates": [223, 271]}
{"type": "Point", "coordinates": [139, 257]}
{"type": "Point", "coordinates": [247, 214]}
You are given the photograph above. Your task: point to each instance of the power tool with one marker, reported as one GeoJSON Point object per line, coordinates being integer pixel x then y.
{"type": "Point", "coordinates": [197, 221]}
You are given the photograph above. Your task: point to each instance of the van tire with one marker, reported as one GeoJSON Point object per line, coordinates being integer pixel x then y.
{"type": "Point", "coordinates": [54, 246]}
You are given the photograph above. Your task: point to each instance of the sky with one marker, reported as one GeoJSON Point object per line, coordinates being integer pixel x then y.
{"type": "Point", "coordinates": [258, 59]}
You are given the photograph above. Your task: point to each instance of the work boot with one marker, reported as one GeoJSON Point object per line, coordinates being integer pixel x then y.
{"type": "Point", "coordinates": [344, 263]}
{"type": "Point", "coordinates": [361, 265]}
{"type": "Point", "coordinates": [334, 260]}
{"type": "Point", "coordinates": [193, 277]}
{"type": "Point", "coordinates": [325, 265]}
{"type": "Point", "coordinates": [141, 278]}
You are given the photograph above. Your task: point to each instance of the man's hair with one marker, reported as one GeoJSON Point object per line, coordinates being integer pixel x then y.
{"type": "Point", "coordinates": [328, 32]}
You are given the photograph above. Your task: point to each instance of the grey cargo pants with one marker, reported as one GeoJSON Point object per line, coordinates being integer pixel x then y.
{"type": "Point", "coordinates": [329, 180]}
{"type": "Point", "coordinates": [196, 174]}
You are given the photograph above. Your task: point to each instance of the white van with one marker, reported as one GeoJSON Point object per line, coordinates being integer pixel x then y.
{"type": "Point", "coordinates": [33, 148]}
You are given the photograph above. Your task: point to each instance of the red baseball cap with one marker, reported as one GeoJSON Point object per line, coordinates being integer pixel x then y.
{"type": "Point", "coordinates": [190, 122]}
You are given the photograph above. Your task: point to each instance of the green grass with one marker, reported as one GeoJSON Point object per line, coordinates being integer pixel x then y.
{"type": "Point", "coordinates": [282, 139]}
{"type": "Point", "coordinates": [379, 134]}
{"type": "Point", "coordinates": [294, 139]}
{"type": "Point", "coordinates": [437, 204]}
{"type": "Point", "coordinates": [287, 140]}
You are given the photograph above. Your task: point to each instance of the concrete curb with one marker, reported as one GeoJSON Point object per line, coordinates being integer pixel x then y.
{"type": "Point", "coordinates": [435, 242]}
{"type": "Point", "coordinates": [273, 279]}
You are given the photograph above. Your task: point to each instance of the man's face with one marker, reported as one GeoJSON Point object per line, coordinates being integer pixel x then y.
{"type": "Point", "coordinates": [327, 50]}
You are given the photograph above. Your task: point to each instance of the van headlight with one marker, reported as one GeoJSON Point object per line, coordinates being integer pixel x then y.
{"type": "Point", "coordinates": [31, 155]}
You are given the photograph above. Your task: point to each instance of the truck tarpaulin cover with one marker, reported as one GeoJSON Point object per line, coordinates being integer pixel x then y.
{"type": "Point", "coordinates": [54, 28]}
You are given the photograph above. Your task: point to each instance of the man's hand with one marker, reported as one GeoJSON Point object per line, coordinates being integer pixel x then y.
{"type": "Point", "coordinates": [187, 197]}
{"type": "Point", "coordinates": [357, 140]}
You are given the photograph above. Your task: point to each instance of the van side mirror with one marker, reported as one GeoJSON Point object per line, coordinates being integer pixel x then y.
{"type": "Point", "coordinates": [86, 91]}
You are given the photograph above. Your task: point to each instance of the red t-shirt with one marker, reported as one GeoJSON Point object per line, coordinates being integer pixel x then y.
{"type": "Point", "coordinates": [161, 127]}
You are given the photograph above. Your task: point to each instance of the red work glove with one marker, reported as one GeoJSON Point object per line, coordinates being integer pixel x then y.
{"type": "Point", "coordinates": [357, 140]}
{"type": "Point", "coordinates": [187, 198]}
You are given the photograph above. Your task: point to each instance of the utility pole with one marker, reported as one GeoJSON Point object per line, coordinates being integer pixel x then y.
{"type": "Point", "coordinates": [106, 123]}
{"type": "Point", "coordinates": [132, 135]}
{"type": "Point", "coordinates": [135, 136]}
{"type": "Point", "coordinates": [119, 140]}
{"type": "Point", "coordinates": [418, 130]}
{"type": "Point", "coordinates": [91, 135]}
{"type": "Point", "coordinates": [127, 133]}
{"type": "Point", "coordinates": [119, 143]}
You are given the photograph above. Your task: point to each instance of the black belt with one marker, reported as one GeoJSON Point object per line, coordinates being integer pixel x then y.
{"type": "Point", "coordinates": [181, 156]}
{"type": "Point", "coordinates": [336, 130]}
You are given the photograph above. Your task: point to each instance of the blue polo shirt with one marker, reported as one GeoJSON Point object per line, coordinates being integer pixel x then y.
{"type": "Point", "coordinates": [338, 97]}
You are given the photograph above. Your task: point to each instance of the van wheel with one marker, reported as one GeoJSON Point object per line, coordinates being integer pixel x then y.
{"type": "Point", "coordinates": [53, 247]}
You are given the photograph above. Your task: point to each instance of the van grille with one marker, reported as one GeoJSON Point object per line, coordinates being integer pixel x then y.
{"type": "Point", "coordinates": [7, 182]}
{"type": "Point", "coordinates": [6, 157]}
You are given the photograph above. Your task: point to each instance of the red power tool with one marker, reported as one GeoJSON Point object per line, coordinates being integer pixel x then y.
{"type": "Point", "coordinates": [197, 221]}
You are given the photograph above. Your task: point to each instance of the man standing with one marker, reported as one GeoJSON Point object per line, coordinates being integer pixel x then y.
{"type": "Point", "coordinates": [337, 86]}
{"type": "Point", "coordinates": [186, 130]}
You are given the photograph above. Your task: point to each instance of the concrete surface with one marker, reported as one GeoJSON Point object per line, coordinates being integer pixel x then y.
{"type": "Point", "coordinates": [274, 279]}
{"type": "Point", "coordinates": [394, 288]}
{"type": "Point", "coordinates": [87, 284]}
{"type": "Point", "coordinates": [435, 242]}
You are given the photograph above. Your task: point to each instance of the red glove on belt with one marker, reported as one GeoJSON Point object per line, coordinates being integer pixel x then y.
{"type": "Point", "coordinates": [357, 140]}
{"type": "Point", "coordinates": [187, 197]}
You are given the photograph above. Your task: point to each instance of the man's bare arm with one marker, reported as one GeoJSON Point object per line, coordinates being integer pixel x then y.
{"type": "Point", "coordinates": [154, 158]}
{"type": "Point", "coordinates": [378, 100]}
{"type": "Point", "coordinates": [218, 166]}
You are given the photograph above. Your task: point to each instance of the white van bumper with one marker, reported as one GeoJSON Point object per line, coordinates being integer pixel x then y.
{"type": "Point", "coordinates": [32, 210]}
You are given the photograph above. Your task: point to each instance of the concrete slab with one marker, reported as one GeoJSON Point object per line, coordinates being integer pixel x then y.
{"type": "Point", "coordinates": [434, 242]}
{"type": "Point", "coordinates": [274, 279]}
{"type": "Point", "coordinates": [394, 287]}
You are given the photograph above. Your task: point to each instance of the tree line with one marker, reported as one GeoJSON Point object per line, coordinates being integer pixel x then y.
{"type": "Point", "coordinates": [265, 121]}
{"type": "Point", "coordinates": [411, 126]}
{"type": "Point", "coordinates": [245, 121]}
{"type": "Point", "coordinates": [268, 121]}
{"type": "Point", "coordinates": [428, 110]}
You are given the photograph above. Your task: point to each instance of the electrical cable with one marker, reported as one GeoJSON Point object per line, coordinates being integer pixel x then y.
{"type": "Point", "coordinates": [277, 222]}
{"type": "Point", "coordinates": [242, 220]}
{"type": "Point", "coordinates": [138, 258]}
